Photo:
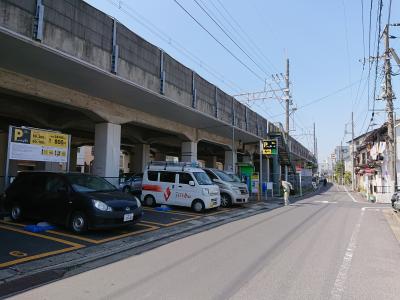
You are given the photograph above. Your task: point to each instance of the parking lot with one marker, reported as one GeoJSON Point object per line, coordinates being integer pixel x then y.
{"type": "Point", "coordinates": [20, 246]}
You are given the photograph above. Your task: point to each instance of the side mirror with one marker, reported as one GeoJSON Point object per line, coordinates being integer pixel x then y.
{"type": "Point", "coordinates": [191, 183]}
{"type": "Point", "coordinates": [215, 180]}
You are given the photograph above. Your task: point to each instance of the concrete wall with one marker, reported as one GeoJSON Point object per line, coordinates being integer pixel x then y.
{"type": "Point", "coordinates": [80, 30]}
{"type": "Point", "coordinates": [74, 27]}
{"type": "Point", "coordinates": [178, 81]}
{"type": "Point", "coordinates": [139, 61]}
{"type": "Point", "coordinates": [18, 15]}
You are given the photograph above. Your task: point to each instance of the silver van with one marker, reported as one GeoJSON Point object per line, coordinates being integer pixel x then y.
{"type": "Point", "coordinates": [232, 191]}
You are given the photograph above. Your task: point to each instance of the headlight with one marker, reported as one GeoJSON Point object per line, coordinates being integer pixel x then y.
{"type": "Point", "coordinates": [101, 205]}
{"type": "Point", "coordinates": [206, 191]}
{"type": "Point", "coordinates": [139, 204]}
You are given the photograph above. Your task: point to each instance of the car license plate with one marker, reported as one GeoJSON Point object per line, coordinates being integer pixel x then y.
{"type": "Point", "coordinates": [128, 217]}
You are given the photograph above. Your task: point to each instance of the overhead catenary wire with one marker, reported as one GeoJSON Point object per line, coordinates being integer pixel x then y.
{"type": "Point", "coordinates": [230, 38]}
{"type": "Point", "coordinates": [218, 41]}
{"type": "Point", "coordinates": [174, 44]}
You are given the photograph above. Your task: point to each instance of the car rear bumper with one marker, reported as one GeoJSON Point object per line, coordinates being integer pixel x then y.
{"type": "Point", "coordinates": [114, 219]}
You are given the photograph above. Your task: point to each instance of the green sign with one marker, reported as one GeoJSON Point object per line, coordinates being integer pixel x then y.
{"type": "Point", "coordinates": [270, 147]}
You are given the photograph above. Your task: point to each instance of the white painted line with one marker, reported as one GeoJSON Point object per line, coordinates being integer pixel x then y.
{"type": "Point", "coordinates": [350, 195]}
{"type": "Point", "coordinates": [340, 282]}
{"type": "Point", "coordinates": [325, 201]}
{"type": "Point", "coordinates": [374, 208]}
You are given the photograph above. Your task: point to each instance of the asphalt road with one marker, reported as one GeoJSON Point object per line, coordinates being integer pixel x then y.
{"type": "Point", "coordinates": [324, 247]}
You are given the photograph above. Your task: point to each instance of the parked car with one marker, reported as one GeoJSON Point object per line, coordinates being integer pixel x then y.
{"type": "Point", "coordinates": [179, 184]}
{"type": "Point", "coordinates": [232, 190]}
{"type": "Point", "coordinates": [132, 184]}
{"type": "Point", "coordinates": [78, 201]}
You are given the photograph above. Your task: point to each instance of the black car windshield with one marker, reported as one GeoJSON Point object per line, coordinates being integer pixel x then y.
{"type": "Point", "coordinates": [224, 176]}
{"type": "Point", "coordinates": [88, 183]}
{"type": "Point", "coordinates": [202, 178]}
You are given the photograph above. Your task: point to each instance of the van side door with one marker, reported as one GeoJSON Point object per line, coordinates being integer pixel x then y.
{"type": "Point", "coordinates": [168, 186]}
{"type": "Point", "coordinates": [184, 191]}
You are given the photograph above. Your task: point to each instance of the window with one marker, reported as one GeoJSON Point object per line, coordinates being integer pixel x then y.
{"type": "Point", "coordinates": [184, 178]}
{"type": "Point", "coordinates": [202, 178]}
{"type": "Point", "coordinates": [88, 183]}
{"type": "Point", "coordinates": [211, 174]}
{"type": "Point", "coordinates": [152, 176]}
{"type": "Point", "coordinates": [167, 177]}
{"type": "Point", "coordinates": [55, 184]}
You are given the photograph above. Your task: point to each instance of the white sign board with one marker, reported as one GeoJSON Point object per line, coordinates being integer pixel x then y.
{"type": "Point", "coordinates": [38, 145]}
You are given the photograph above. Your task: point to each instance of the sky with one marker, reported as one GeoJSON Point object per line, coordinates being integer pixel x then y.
{"type": "Point", "coordinates": [325, 41]}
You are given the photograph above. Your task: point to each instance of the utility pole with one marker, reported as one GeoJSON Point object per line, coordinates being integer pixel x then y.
{"type": "Point", "coordinates": [341, 163]}
{"type": "Point", "coordinates": [352, 153]}
{"type": "Point", "coordinates": [389, 110]}
{"type": "Point", "coordinates": [315, 142]}
{"type": "Point", "coordinates": [287, 98]}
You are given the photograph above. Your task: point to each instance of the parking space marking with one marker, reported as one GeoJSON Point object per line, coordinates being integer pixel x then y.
{"type": "Point", "coordinates": [172, 223]}
{"type": "Point", "coordinates": [221, 210]}
{"type": "Point", "coordinates": [73, 246]}
{"type": "Point", "coordinates": [93, 241]}
{"type": "Point", "coordinates": [120, 236]}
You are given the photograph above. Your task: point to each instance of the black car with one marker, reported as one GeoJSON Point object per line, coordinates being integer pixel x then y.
{"type": "Point", "coordinates": [78, 201]}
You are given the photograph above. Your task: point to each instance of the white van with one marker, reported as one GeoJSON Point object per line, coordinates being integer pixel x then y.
{"type": "Point", "coordinates": [179, 184]}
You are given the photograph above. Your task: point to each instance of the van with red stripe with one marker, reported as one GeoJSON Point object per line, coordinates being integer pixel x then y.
{"type": "Point", "coordinates": [179, 184]}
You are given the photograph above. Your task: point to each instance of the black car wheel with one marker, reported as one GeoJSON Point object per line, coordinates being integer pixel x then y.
{"type": "Point", "coordinates": [78, 222]}
{"type": "Point", "coordinates": [127, 189]}
{"type": "Point", "coordinates": [198, 206]}
{"type": "Point", "coordinates": [226, 200]}
{"type": "Point", "coordinates": [16, 212]}
{"type": "Point", "coordinates": [149, 200]}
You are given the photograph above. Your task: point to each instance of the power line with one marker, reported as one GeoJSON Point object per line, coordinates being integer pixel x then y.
{"type": "Point", "coordinates": [262, 55]}
{"type": "Point", "coordinates": [174, 44]}
{"type": "Point", "coordinates": [224, 31]}
{"type": "Point", "coordinates": [325, 97]}
{"type": "Point", "coordinates": [222, 45]}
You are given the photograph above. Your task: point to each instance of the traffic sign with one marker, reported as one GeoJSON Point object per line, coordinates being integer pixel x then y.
{"type": "Point", "coordinates": [270, 147]}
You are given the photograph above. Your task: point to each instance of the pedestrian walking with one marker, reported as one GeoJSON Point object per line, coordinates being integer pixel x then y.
{"type": "Point", "coordinates": [287, 186]}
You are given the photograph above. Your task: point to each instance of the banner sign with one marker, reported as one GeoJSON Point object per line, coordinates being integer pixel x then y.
{"type": "Point", "coordinates": [270, 147]}
{"type": "Point", "coordinates": [255, 181]}
{"type": "Point", "coordinates": [38, 145]}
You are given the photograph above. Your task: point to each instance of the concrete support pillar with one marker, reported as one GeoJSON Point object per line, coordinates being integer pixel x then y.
{"type": "Point", "coordinates": [3, 152]}
{"type": "Point", "coordinates": [265, 170]}
{"type": "Point", "coordinates": [73, 158]}
{"type": "Point", "coordinates": [230, 161]}
{"type": "Point", "coordinates": [107, 143]}
{"type": "Point", "coordinates": [189, 152]}
{"type": "Point", "coordinates": [276, 174]}
{"type": "Point", "coordinates": [286, 173]}
{"type": "Point", "coordinates": [3, 158]}
{"type": "Point", "coordinates": [211, 162]}
{"type": "Point", "coordinates": [159, 156]}
{"type": "Point", "coordinates": [139, 159]}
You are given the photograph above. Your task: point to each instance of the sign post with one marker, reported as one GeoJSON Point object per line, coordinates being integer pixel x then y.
{"type": "Point", "coordinates": [25, 143]}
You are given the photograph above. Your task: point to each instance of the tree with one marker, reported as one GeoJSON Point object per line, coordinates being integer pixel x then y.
{"type": "Point", "coordinates": [339, 170]}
